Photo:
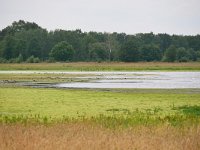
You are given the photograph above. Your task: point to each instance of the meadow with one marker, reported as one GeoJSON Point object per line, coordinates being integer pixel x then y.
{"type": "Point", "coordinates": [104, 66]}
{"type": "Point", "coordinates": [73, 103]}
{"type": "Point", "coordinates": [34, 118]}
{"type": "Point", "coordinates": [64, 118]}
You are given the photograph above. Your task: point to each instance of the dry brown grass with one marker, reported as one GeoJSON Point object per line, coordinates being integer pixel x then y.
{"type": "Point", "coordinates": [85, 136]}
{"type": "Point", "coordinates": [94, 66]}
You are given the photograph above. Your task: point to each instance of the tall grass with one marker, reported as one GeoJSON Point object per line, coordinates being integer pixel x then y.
{"type": "Point", "coordinates": [85, 136]}
{"type": "Point", "coordinates": [121, 130]}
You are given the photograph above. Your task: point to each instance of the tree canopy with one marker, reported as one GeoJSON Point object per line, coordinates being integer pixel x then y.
{"type": "Point", "coordinates": [28, 40]}
{"type": "Point", "coordinates": [62, 51]}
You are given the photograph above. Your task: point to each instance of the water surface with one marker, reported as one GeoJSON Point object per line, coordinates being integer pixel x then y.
{"type": "Point", "coordinates": [148, 79]}
{"type": "Point", "coordinates": [162, 80]}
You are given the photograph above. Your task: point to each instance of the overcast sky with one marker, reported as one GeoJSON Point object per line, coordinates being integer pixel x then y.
{"type": "Point", "coordinates": [129, 16]}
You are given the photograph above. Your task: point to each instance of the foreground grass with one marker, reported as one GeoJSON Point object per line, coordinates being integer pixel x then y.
{"type": "Point", "coordinates": [105, 66]}
{"type": "Point", "coordinates": [87, 137]}
{"type": "Point", "coordinates": [142, 119]}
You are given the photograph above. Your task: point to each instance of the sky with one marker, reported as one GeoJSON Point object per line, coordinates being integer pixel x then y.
{"type": "Point", "coordinates": [180, 17]}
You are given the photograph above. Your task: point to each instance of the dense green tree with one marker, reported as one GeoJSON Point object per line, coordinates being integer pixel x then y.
{"type": "Point", "coordinates": [19, 59]}
{"type": "Point", "coordinates": [147, 38]}
{"type": "Point", "coordinates": [170, 54]}
{"type": "Point", "coordinates": [62, 52]}
{"type": "Point", "coordinates": [113, 46]}
{"type": "Point", "coordinates": [9, 47]}
{"type": "Point", "coordinates": [130, 51]}
{"type": "Point", "coordinates": [198, 55]}
{"type": "Point", "coordinates": [164, 41]}
{"type": "Point", "coordinates": [20, 47]}
{"type": "Point", "coordinates": [180, 41]}
{"type": "Point", "coordinates": [192, 54]}
{"type": "Point", "coordinates": [182, 54]}
{"type": "Point", "coordinates": [98, 51]}
{"type": "Point", "coordinates": [2, 46]}
{"type": "Point", "coordinates": [150, 53]}
{"type": "Point", "coordinates": [194, 42]}
{"type": "Point", "coordinates": [18, 27]}
{"type": "Point", "coordinates": [29, 39]}
{"type": "Point", "coordinates": [120, 37]}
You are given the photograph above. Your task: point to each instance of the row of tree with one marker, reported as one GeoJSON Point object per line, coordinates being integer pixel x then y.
{"type": "Point", "coordinates": [25, 41]}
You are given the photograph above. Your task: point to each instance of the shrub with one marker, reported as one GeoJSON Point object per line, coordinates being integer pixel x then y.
{"type": "Point", "coordinates": [50, 60]}
{"type": "Point", "coordinates": [30, 59]}
{"type": "Point", "coordinates": [12, 60]}
{"type": "Point", "coordinates": [183, 59]}
{"type": "Point", "coordinates": [3, 60]}
{"type": "Point", "coordinates": [62, 52]}
{"type": "Point", "coordinates": [170, 54]}
{"type": "Point", "coordinates": [19, 59]}
{"type": "Point", "coordinates": [36, 60]}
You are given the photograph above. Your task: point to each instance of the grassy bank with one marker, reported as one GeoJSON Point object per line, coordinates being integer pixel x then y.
{"type": "Point", "coordinates": [105, 66]}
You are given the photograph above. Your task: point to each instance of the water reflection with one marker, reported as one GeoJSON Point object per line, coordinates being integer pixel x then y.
{"type": "Point", "coordinates": [163, 80]}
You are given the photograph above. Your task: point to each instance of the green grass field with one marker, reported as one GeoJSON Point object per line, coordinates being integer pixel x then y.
{"type": "Point", "coordinates": [59, 104]}
{"type": "Point", "coordinates": [105, 66]}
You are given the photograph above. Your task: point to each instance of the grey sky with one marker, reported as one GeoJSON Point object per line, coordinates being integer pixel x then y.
{"type": "Point", "coordinates": [129, 16]}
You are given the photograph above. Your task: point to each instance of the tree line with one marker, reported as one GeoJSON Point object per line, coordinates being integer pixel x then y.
{"type": "Point", "coordinates": [28, 42]}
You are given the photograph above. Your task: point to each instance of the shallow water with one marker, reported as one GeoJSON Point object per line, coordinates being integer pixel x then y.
{"type": "Point", "coordinates": [162, 80]}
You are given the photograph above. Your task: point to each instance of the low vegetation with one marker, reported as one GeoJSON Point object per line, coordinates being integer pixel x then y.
{"type": "Point", "coordinates": [56, 104]}
{"type": "Point", "coordinates": [14, 79]}
{"type": "Point", "coordinates": [33, 118]}
{"type": "Point", "coordinates": [105, 66]}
